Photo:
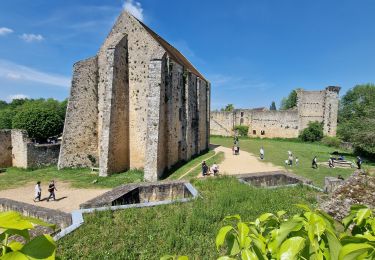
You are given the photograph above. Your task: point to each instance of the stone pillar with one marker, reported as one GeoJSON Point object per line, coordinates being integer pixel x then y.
{"type": "Point", "coordinates": [331, 106]}
{"type": "Point", "coordinates": [19, 148]}
{"type": "Point", "coordinates": [113, 107]}
{"type": "Point", "coordinates": [152, 171]}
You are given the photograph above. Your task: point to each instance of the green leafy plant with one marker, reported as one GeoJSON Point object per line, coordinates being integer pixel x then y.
{"type": "Point", "coordinates": [313, 132]}
{"type": "Point", "coordinates": [13, 223]}
{"type": "Point", "coordinates": [242, 129]}
{"type": "Point", "coordinates": [331, 141]}
{"type": "Point", "coordinates": [309, 235]}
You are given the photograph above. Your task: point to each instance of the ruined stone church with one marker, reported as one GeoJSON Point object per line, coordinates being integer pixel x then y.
{"type": "Point", "coordinates": [138, 103]}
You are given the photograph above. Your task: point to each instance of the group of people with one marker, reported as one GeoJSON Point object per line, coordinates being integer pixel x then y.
{"type": "Point", "coordinates": [236, 146]}
{"type": "Point", "coordinates": [206, 170]}
{"type": "Point", "coordinates": [291, 159]}
{"type": "Point", "coordinates": [51, 190]}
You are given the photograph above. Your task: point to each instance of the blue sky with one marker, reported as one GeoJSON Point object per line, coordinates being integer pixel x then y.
{"type": "Point", "coordinates": [253, 52]}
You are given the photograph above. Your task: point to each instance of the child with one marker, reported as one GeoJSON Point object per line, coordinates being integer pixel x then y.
{"type": "Point", "coordinates": [38, 192]}
{"type": "Point", "coordinates": [297, 161]}
{"type": "Point", "coordinates": [51, 190]}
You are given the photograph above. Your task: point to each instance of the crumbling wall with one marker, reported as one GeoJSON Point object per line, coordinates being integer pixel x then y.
{"type": "Point", "coordinates": [79, 147]}
{"type": "Point", "coordinates": [5, 148]}
{"type": "Point", "coordinates": [331, 106]}
{"type": "Point", "coordinates": [310, 107]}
{"type": "Point", "coordinates": [222, 123]}
{"type": "Point", "coordinates": [274, 124]}
{"type": "Point", "coordinates": [42, 154]}
{"type": "Point", "coordinates": [19, 148]}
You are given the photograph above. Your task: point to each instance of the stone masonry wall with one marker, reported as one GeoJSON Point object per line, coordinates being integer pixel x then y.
{"type": "Point", "coordinates": [331, 107]}
{"type": "Point", "coordinates": [19, 148]}
{"type": "Point", "coordinates": [221, 123]}
{"type": "Point", "coordinates": [42, 154]}
{"type": "Point", "coordinates": [310, 107]}
{"type": "Point", "coordinates": [80, 137]}
{"type": "Point", "coordinates": [5, 148]}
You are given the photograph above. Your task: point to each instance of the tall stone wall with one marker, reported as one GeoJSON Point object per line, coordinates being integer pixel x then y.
{"type": "Point", "coordinates": [331, 107]}
{"type": "Point", "coordinates": [5, 148]}
{"type": "Point", "coordinates": [310, 107]}
{"type": "Point", "coordinates": [272, 124]}
{"type": "Point", "coordinates": [79, 147]}
{"type": "Point", "coordinates": [222, 123]}
{"type": "Point", "coordinates": [19, 148]}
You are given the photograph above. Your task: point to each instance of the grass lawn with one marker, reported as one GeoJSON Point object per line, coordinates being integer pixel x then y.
{"type": "Point", "coordinates": [276, 152]}
{"type": "Point", "coordinates": [184, 228]}
{"type": "Point", "coordinates": [80, 178]}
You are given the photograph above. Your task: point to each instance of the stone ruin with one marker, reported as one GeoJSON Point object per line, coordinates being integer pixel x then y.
{"type": "Point", "coordinates": [138, 103]}
{"type": "Point", "coordinates": [321, 106]}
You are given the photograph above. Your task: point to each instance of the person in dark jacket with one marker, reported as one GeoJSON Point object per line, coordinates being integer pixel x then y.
{"type": "Point", "coordinates": [51, 190]}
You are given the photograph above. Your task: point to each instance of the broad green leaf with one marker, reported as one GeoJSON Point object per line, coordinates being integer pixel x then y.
{"type": "Point", "coordinates": [348, 220]}
{"type": "Point", "coordinates": [291, 248]}
{"type": "Point", "coordinates": [233, 245]}
{"type": "Point", "coordinates": [304, 207]}
{"type": "Point", "coordinates": [220, 238]}
{"type": "Point", "coordinates": [334, 245]}
{"type": "Point", "coordinates": [233, 217]}
{"type": "Point", "coordinates": [352, 240]}
{"type": "Point", "coordinates": [265, 216]}
{"type": "Point", "coordinates": [184, 257]}
{"type": "Point", "coordinates": [41, 247]}
{"type": "Point", "coordinates": [17, 255]}
{"type": "Point", "coordinates": [15, 246]}
{"type": "Point", "coordinates": [353, 251]}
{"type": "Point", "coordinates": [24, 233]}
{"type": "Point", "coordinates": [243, 232]}
{"type": "Point", "coordinates": [14, 220]}
{"type": "Point", "coordinates": [246, 254]}
{"type": "Point", "coordinates": [279, 235]}
{"type": "Point", "coordinates": [281, 213]}
{"type": "Point", "coordinates": [259, 242]}
{"type": "Point", "coordinates": [362, 214]}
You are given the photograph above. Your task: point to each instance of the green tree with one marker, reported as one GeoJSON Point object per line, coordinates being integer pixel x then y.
{"type": "Point", "coordinates": [228, 108]}
{"type": "Point", "coordinates": [39, 122]}
{"type": "Point", "coordinates": [6, 116]}
{"type": "Point", "coordinates": [273, 106]}
{"type": "Point", "coordinates": [357, 118]}
{"type": "Point", "coordinates": [314, 132]}
{"type": "Point", "coordinates": [3, 104]}
{"type": "Point", "coordinates": [290, 101]}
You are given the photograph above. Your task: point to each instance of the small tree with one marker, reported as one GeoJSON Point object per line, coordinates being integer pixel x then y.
{"type": "Point", "coordinates": [314, 132]}
{"type": "Point", "coordinates": [6, 116]}
{"type": "Point", "coordinates": [242, 129]}
{"type": "Point", "coordinates": [290, 101]}
{"type": "Point", "coordinates": [40, 123]}
{"type": "Point", "coordinates": [273, 106]}
{"type": "Point", "coordinates": [228, 108]}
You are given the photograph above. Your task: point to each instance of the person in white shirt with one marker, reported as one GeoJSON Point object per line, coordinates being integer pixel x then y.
{"type": "Point", "coordinates": [261, 153]}
{"type": "Point", "coordinates": [215, 169]}
{"type": "Point", "coordinates": [38, 192]}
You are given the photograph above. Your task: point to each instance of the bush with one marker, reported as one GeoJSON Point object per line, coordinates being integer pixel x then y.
{"type": "Point", "coordinates": [40, 123]}
{"type": "Point", "coordinates": [331, 141]}
{"type": "Point", "coordinates": [6, 116]}
{"type": "Point", "coordinates": [314, 132]}
{"type": "Point", "coordinates": [242, 129]}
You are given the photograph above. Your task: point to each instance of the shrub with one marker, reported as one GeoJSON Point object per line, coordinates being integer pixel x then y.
{"type": "Point", "coordinates": [40, 123]}
{"type": "Point", "coordinates": [6, 116]}
{"type": "Point", "coordinates": [242, 129]}
{"type": "Point", "coordinates": [331, 141]}
{"type": "Point", "coordinates": [314, 132]}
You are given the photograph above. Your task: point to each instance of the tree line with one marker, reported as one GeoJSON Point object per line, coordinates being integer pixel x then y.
{"type": "Point", "coordinates": [42, 118]}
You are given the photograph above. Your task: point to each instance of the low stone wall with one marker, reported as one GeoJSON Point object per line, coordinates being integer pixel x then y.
{"type": "Point", "coordinates": [140, 193]}
{"type": "Point", "coordinates": [332, 183]}
{"type": "Point", "coordinates": [59, 218]}
{"type": "Point", "coordinates": [42, 154]}
{"type": "Point", "coordinates": [272, 179]}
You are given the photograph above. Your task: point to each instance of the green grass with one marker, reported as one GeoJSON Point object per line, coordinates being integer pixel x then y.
{"type": "Point", "coordinates": [184, 228]}
{"type": "Point", "coordinates": [80, 178]}
{"type": "Point", "coordinates": [276, 152]}
{"type": "Point", "coordinates": [195, 165]}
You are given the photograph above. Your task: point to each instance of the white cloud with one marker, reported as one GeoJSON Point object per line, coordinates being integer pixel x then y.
{"type": "Point", "coordinates": [13, 71]}
{"type": "Point", "coordinates": [16, 96]}
{"type": "Point", "coordinates": [32, 37]}
{"type": "Point", "coordinates": [5, 31]}
{"type": "Point", "coordinates": [135, 8]}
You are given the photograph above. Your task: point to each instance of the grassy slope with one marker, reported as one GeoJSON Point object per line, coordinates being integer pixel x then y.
{"type": "Point", "coordinates": [184, 229]}
{"type": "Point", "coordinates": [276, 151]}
{"type": "Point", "coordinates": [14, 177]}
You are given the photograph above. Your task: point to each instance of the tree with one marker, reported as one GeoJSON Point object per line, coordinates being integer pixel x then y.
{"type": "Point", "coordinates": [290, 101]}
{"type": "Point", "coordinates": [357, 118]}
{"type": "Point", "coordinates": [314, 132]}
{"type": "Point", "coordinates": [6, 116]}
{"type": "Point", "coordinates": [3, 104]}
{"type": "Point", "coordinates": [273, 106]}
{"type": "Point", "coordinates": [40, 123]}
{"type": "Point", "coordinates": [228, 108]}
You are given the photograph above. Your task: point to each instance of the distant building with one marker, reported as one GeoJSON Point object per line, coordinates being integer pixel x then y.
{"type": "Point", "coordinates": [321, 106]}
{"type": "Point", "coordinates": [138, 103]}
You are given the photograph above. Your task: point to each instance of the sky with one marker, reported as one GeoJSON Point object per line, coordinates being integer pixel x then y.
{"type": "Point", "coordinates": [252, 52]}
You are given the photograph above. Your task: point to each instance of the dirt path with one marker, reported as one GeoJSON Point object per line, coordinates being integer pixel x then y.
{"type": "Point", "coordinates": [243, 163]}
{"type": "Point", "coordinates": [67, 197]}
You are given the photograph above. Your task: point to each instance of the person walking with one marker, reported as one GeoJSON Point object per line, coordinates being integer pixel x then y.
{"type": "Point", "coordinates": [51, 190]}
{"type": "Point", "coordinates": [261, 152]}
{"type": "Point", "coordinates": [359, 162]}
{"type": "Point", "coordinates": [315, 163]}
{"type": "Point", "coordinates": [38, 192]}
{"type": "Point", "coordinates": [290, 159]}
{"type": "Point", "coordinates": [297, 161]}
{"type": "Point", "coordinates": [204, 168]}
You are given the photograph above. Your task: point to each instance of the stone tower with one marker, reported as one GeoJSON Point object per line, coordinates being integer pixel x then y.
{"type": "Point", "coordinates": [138, 103]}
